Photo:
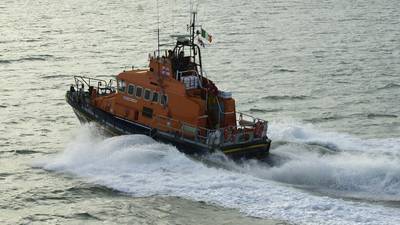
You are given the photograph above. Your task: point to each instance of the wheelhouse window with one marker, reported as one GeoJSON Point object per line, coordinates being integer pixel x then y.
{"type": "Point", "coordinates": [147, 94]}
{"type": "Point", "coordinates": [164, 100]}
{"type": "Point", "coordinates": [121, 85]}
{"type": "Point", "coordinates": [155, 97]}
{"type": "Point", "coordinates": [131, 89]}
{"type": "Point", "coordinates": [147, 112]}
{"type": "Point", "coordinates": [139, 91]}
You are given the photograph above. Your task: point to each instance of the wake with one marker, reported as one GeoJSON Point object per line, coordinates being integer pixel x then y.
{"type": "Point", "coordinates": [139, 166]}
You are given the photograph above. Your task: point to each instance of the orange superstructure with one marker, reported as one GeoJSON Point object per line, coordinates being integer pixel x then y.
{"type": "Point", "coordinates": [161, 94]}
{"type": "Point", "coordinates": [171, 101]}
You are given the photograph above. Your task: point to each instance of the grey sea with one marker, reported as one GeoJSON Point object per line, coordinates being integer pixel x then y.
{"type": "Point", "coordinates": [325, 74]}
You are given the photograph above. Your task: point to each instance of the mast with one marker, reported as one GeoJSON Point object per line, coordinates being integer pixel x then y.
{"type": "Point", "coordinates": [158, 31]}
{"type": "Point", "coordinates": [192, 35]}
{"type": "Point", "coordinates": [193, 25]}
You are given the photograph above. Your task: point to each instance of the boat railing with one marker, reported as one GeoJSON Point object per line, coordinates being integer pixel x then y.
{"type": "Point", "coordinates": [180, 74]}
{"type": "Point", "coordinates": [186, 73]}
{"type": "Point", "coordinates": [83, 83]}
{"type": "Point", "coordinates": [248, 129]}
{"type": "Point", "coordinates": [244, 119]}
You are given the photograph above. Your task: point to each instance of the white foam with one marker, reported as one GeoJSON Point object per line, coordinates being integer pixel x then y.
{"type": "Point", "coordinates": [366, 169]}
{"type": "Point", "coordinates": [306, 133]}
{"type": "Point", "coordinates": [137, 165]}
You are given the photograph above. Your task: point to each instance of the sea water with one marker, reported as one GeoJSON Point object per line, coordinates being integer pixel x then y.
{"type": "Point", "coordinates": [326, 74]}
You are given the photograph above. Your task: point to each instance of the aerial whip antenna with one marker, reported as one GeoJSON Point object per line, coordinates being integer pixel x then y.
{"type": "Point", "coordinates": [158, 31]}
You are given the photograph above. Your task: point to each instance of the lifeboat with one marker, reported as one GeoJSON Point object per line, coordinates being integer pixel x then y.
{"type": "Point", "coordinates": [171, 101]}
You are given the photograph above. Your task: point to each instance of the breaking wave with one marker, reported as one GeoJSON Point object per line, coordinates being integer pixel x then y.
{"type": "Point", "coordinates": [138, 165]}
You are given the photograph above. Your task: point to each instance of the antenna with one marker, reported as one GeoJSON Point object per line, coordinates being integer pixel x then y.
{"type": "Point", "coordinates": [193, 26]}
{"type": "Point", "coordinates": [158, 31]}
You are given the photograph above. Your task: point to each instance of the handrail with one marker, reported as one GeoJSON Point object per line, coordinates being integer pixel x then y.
{"type": "Point", "coordinates": [87, 80]}
{"type": "Point", "coordinates": [227, 135]}
{"type": "Point", "coordinates": [102, 85]}
{"type": "Point", "coordinates": [241, 114]}
{"type": "Point", "coordinates": [187, 71]}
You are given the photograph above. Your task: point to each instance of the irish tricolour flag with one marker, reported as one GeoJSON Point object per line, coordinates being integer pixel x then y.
{"type": "Point", "coordinates": [206, 35]}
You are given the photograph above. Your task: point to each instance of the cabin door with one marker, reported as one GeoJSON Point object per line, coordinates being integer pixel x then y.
{"type": "Point", "coordinates": [215, 112]}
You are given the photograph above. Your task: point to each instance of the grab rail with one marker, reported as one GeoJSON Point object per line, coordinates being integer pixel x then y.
{"type": "Point", "coordinates": [239, 134]}
{"type": "Point", "coordinates": [102, 85]}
